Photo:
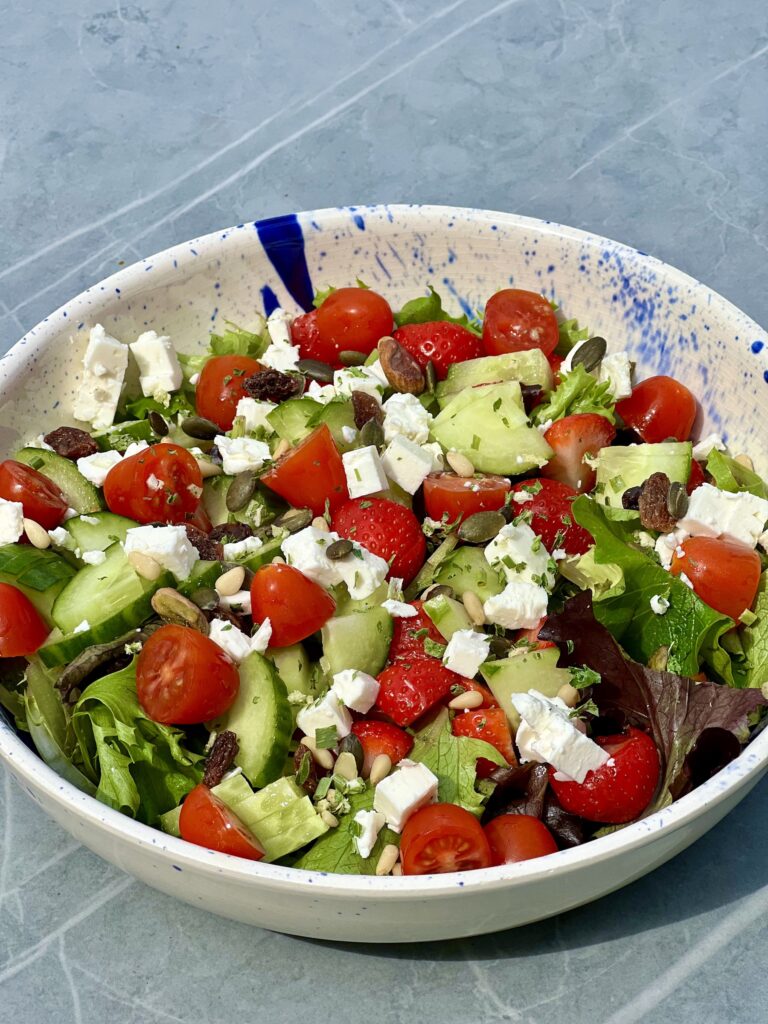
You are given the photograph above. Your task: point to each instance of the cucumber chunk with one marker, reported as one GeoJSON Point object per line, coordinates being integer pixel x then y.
{"type": "Point", "coordinates": [522, 671]}
{"type": "Point", "coordinates": [107, 530]}
{"type": "Point", "coordinates": [79, 494]}
{"type": "Point", "coordinates": [359, 640]}
{"type": "Point", "coordinates": [466, 568]}
{"type": "Point", "coordinates": [528, 367]}
{"type": "Point", "coordinates": [40, 575]}
{"type": "Point", "coordinates": [622, 467]}
{"type": "Point", "coordinates": [448, 616]}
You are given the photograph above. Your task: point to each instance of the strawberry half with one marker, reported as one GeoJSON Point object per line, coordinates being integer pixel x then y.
{"type": "Point", "coordinates": [409, 689]}
{"type": "Point", "coordinates": [407, 637]}
{"type": "Point", "coordinates": [381, 738]}
{"type": "Point", "coordinates": [385, 528]}
{"type": "Point", "coordinates": [439, 342]}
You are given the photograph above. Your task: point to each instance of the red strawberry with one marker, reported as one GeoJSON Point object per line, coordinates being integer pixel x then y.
{"type": "Point", "coordinates": [441, 342]}
{"type": "Point", "coordinates": [489, 724]}
{"type": "Point", "coordinates": [571, 439]}
{"type": "Point", "coordinates": [381, 738]}
{"type": "Point", "coordinates": [409, 688]}
{"type": "Point", "coordinates": [549, 504]}
{"type": "Point", "coordinates": [531, 636]}
{"type": "Point", "coordinates": [389, 530]}
{"type": "Point", "coordinates": [406, 644]}
{"type": "Point", "coordinates": [305, 334]}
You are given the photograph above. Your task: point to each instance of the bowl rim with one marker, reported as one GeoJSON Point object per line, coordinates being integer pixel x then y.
{"type": "Point", "coordinates": [27, 764]}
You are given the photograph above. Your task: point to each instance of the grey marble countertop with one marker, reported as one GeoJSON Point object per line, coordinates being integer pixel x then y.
{"type": "Point", "coordinates": [127, 126]}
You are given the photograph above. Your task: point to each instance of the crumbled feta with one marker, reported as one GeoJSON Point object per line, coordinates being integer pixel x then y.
{"type": "Point", "coordinates": [134, 448]}
{"type": "Point", "coordinates": [71, 513]}
{"type": "Point", "coordinates": [466, 652]}
{"type": "Point", "coordinates": [153, 483]}
{"type": "Point", "coordinates": [403, 792]}
{"type": "Point", "coordinates": [60, 538]}
{"type": "Point", "coordinates": [241, 548]}
{"type": "Point", "coordinates": [279, 327]}
{"type": "Point", "coordinates": [262, 636]}
{"type": "Point", "coordinates": [548, 735]}
{"type": "Point", "coordinates": [96, 467]}
{"type": "Point", "coordinates": [93, 557]}
{"type": "Point", "coordinates": [518, 606]}
{"type": "Point", "coordinates": [703, 448]}
{"type": "Point", "coordinates": [361, 570]}
{"type": "Point", "coordinates": [356, 690]}
{"type": "Point", "coordinates": [435, 452]}
{"type": "Point", "coordinates": [241, 453]}
{"type": "Point", "coordinates": [399, 609]}
{"type": "Point", "coordinates": [349, 433]}
{"type": "Point", "coordinates": [104, 365]}
{"type": "Point", "coordinates": [12, 521]}
{"type": "Point", "coordinates": [667, 545]}
{"type": "Point", "coordinates": [559, 555]}
{"type": "Point", "coordinates": [370, 823]}
{"type": "Point", "coordinates": [364, 471]}
{"type": "Point", "coordinates": [91, 520]}
{"type": "Point", "coordinates": [254, 415]}
{"type": "Point", "coordinates": [323, 713]}
{"type": "Point", "coordinates": [406, 464]}
{"type": "Point", "coordinates": [521, 497]}
{"type": "Point", "coordinates": [82, 627]}
{"type": "Point", "coordinates": [239, 602]}
{"type": "Point", "coordinates": [194, 380]}
{"type": "Point", "coordinates": [405, 416]}
{"type": "Point", "coordinates": [686, 580]}
{"type": "Point", "coordinates": [39, 442]}
{"type": "Point", "coordinates": [616, 370]}
{"type": "Point", "coordinates": [714, 513]}
{"type": "Point", "coordinates": [659, 605]}
{"type": "Point", "coordinates": [359, 378]}
{"type": "Point", "coordinates": [159, 367]}
{"type": "Point", "coordinates": [322, 393]}
{"type": "Point", "coordinates": [230, 639]}
{"type": "Point", "coordinates": [520, 555]}
{"type": "Point", "coordinates": [169, 546]}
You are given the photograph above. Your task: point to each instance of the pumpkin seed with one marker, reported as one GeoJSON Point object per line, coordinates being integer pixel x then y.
{"type": "Point", "coordinates": [158, 424]}
{"type": "Point", "coordinates": [372, 434]}
{"type": "Point", "coordinates": [481, 527]}
{"type": "Point", "coordinates": [339, 549]}
{"type": "Point", "coordinates": [677, 500]}
{"type": "Point", "coordinates": [500, 646]}
{"type": "Point", "coordinates": [350, 357]}
{"type": "Point", "coordinates": [172, 606]}
{"type": "Point", "coordinates": [351, 745]}
{"type": "Point", "coordinates": [430, 375]}
{"type": "Point", "coordinates": [205, 598]}
{"type": "Point", "coordinates": [241, 490]}
{"type": "Point", "coordinates": [294, 519]}
{"type": "Point", "coordinates": [590, 354]}
{"type": "Point", "coordinates": [437, 590]}
{"type": "Point", "coordinates": [317, 370]}
{"type": "Point", "coordinates": [199, 428]}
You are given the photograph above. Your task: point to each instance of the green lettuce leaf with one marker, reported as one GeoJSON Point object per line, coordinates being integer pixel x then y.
{"type": "Point", "coordinates": [754, 640]}
{"type": "Point", "coordinates": [139, 408]}
{"type": "Point", "coordinates": [336, 852]}
{"type": "Point", "coordinates": [577, 392]}
{"type": "Point", "coordinates": [12, 677]}
{"type": "Point", "coordinates": [429, 308]}
{"type": "Point", "coordinates": [140, 767]}
{"type": "Point", "coordinates": [570, 335]}
{"type": "Point", "coordinates": [235, 341]}
{"type": "Point", "coordinates": [730, 475]}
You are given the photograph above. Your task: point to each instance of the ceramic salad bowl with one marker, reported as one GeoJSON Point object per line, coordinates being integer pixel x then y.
{"type": "Point", "coordinates": [668, 322]}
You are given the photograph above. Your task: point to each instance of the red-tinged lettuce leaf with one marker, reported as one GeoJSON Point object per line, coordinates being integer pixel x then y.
{"type": "Point", "coordinates": [697, 727]}
{"type": "Point", "coordinates": [524, 789]}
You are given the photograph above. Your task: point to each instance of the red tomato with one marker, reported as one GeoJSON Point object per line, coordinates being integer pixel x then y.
{"type": "Point", "coordinates": [409, 688]}
{"type": "Point", "coordinates": [381, 738]}
{"type": "Point", "coordinates": [531, 636]}
{"type": "Point", "coordinates": [22, 630]}
{"type": "Point", "coordinates": [220, 387]}
{"type": "Point", "coordinates": [447, 494]}
{"type": "Point", "coordinates": [516, 320]}
{"type": "Point", "coordinates": [207, 821]}
{"type": "Point", "coordinates": [441, 342]}
{"type": "Point", "coordinates": [555, 361]}
{"type": "Point", "coordinates": [489, 724]}
{"type": "Point", "coordinates": [386, 528]}
{"type": "Point", "coordinates": [571, 438]}
{"type": "Point", "coordinates": [311, 474]}
{"type": "Point", "coordinates": [443, 837]}
{"type": "Point", "coordinates": [131, 488]}
{"type": "Point", "coordinates": [304, 333]}
{"type": "Point", "coordinates": [620, 789]}
{"type": "Point", "coordinates": [295, 605]}
{"type": "Point", "coordinates": [697, 477]}
{"type": "Point", "coordinates": [351, 319]}
{"type": "Point", "coordinates": [407, 637]}
{"type": "Point", "coordinates": [516, 837]}
{"type": "Point", "coordinates": [659, 408]}
{"type": "Point", "coordinates": [182, 677]}
{"type": "Point", "coordinates": [41, 498]}
{"type": "Point", "coordinates": [724, 573]}
{"type": "Point", "coordinates": [550, 506]}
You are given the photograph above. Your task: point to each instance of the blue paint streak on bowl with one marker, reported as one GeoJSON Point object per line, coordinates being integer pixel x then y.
{"type": "Point", "coordinates": [269, 299]}
{"type": "Point", "coordinates": [283, 242]}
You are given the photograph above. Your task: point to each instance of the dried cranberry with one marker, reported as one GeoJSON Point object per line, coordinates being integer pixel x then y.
{"type": "Point", "coordinates": [71, 443]}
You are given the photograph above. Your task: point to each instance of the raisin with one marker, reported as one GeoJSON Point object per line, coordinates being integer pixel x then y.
{"type": "Point", "coordinates": [272, 386]}
{"type": "Point", "coordinates": [220, 759]}
{"type": "Point", "coordinates": [210, 550]}
{"type": "Point", "coordinates": [531, 394]}
{"type": "Point", "coordinates": [630, 499]}
{"type": "Point", "coordinates": [303, 762]}
{"type": "Point", "coordinates": [654, 512]}
{"type": "Point", "coordinates": [71, 443]}
{"type": "Point", "coordinates": [230, 533]}
{"type": "Point", "coordinates": [365, 407]}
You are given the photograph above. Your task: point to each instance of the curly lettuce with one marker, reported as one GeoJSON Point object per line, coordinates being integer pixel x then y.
{"type": "Point", "coordinates": [577, 392]}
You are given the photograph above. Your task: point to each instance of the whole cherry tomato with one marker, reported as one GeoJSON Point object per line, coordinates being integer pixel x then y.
{"type": "Point", "coordinates": [351, 319]}
{"type": "Point", "coordinates": [205, 820]}
{"type": "Point", "coordinates": [161, 483]}
{"type": "Point", "coordinates": [295, 605]}
{"type": "Point", "coordinates": [516, 320]}
{"type": "Point", "coordinates": [516, 837]}
{"type": "Point", "coordinates": [221, 386]}
{"type": "Point", "coordinates": [659, 408]}
{"type": "Point", "coordinates": [725, 573]}
{"type": "Point", "coordinates": [22, 630]}
{"type": "Point", "coordinates": [41, 498]}
{"type": "Point", "coordinates": [443, 837]}
{"type": "Point", "coordinates": [454, 496]}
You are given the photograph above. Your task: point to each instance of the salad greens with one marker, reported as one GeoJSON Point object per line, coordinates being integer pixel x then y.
{"type": "Point", "coordinates": [730, 475]}
{"type": "Point", "coordinates": [578, 392]}
{"type": "Point", "coordinates": [429, 309]}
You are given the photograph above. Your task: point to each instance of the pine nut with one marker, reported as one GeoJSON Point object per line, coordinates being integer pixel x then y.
{"type": "Point", "coordinates": [744, 460]}
{"type": "Point", "coordinates": [474, 607]}
{"type": "Point", "coordinates": [277, 560]}
{"type": "Point", "coordinates": [323, 805]}
{"type": "Point", "coordinates": [208, 468]}
{"type": "Point", "coordinates": [389, 857]}
{"type": "Point", "coordinates": [319, 523]}
{"type": "Point", "coordinates": [346, 766]}
{"type": "Point", "coordinates": [332, 800]}
{"type": "Point", "coordinates": [397, 869]}
{"type": "Point", "coordinates": [322, 757]}
{"type": "Point", "coordinates": [468, 699]}
{"type": "Point", "coordinates": [380, 769]}
{"type": "Point", "coordinates": [36, 535]}
{"type": "Point", "coordinates": [230, 582]}
{"type": "Point", "coordinates": [460, 464]}
{"type": "Point", "coordinates": [330, 819]}
{"type": "Point", "coordinates": [569, 695]}
{"type": "Point", "coordinates": [282, 448]}
{"type": "Point", "coordinates": [145, 565]}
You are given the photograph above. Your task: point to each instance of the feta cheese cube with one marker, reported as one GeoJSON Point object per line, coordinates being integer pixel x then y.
{"type": "Point", "coordinates": [230, 639]}
{"type": "Point", "coordinates": [361, 570]}
{"type": "Point", "coordinates": [262, 636]}
{"type": "Point", "coordinates": [96, 467]}
{"type": "Point", "coordinates": [364, 471]}
{"type": "Point", "coordinates": [322, 393]}
{"type": "Point", "coordinates": [281, 357]}
{"type": "Point", "coordinates": [399, 609]}
{"type": "Point", "coordinates": [241, 548]}
{"type": "Point", "coordinates": [255, 414]}
{"type": "Point", "coordinates": [435, 452]}
{"type": "Point", "coordinates": [279, 327]}
{"type": "Point", "coordinates": [134, 447]}
{"type": "Point", "coordinates": [359, 378]}
{"type": "Point", "coordinates": [659, 605]}
{"type": "Point", "coordinates": [323, 713]}
{"type": "Point", "coordinates": [405, 416]}
{"type": "Point", "coordinates": [239, 602]}
{"type": "Point", "coordinates": [159, 367]}
{"type": "Point", "coordinates": [241, 453]}
{"type": "Point", "coordinates": [703, 448]}
{"type": "Point", "coordinates": [520, 555]}
{"type": "Point", "coordinates": [548, 735]}
{"type": "Point", "coordinates": [466, 652]}
{"type": "Point", "coordinates": [104, 365]}
{"type": "Point", "coordinates": [518, 606]}
{"type": "Point", "coordinates": [714, 513]}
{"type": "Point", "coordinates": [616, 370]}
{"type": "Point", "coordinates": [370, 823]}
{"type": "Point", "coordinates": [93, 557]}
{"type": "Point", "coordinates": [356, 690]}
{"type": "Point", "coordinates": [12, 521]}
{"type": "Point", "coordinates": [406, 464]}
{"type": "Point", "coordinates": [168, 545]}
{"type": "Point", "coordinates": [411, 786]}
{"type": "Point", "coordinates": [349, 433]}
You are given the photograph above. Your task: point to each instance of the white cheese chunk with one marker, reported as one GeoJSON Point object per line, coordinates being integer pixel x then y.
{"type": "Point", "coordinates": [241, 453]}
{"type": "Point", "coordinates": [281, 357]}
{"type": "Point", "coordinates": [356, 690]}
{"type": "Point", "coordinates": [659, 605]}
{"type": "Point", "coordinates": [359, 378]}
{"type": "Point", "coordinates": [96, 467]}
{"type": "Point", "coordinates": [406, 464]}
{"type": "Point", "coordinates": [715, 513]}
{"type": "Point", "coordinates": [60, 538]}
{"type": "Point", "coordinates": [704, 448]}
{"type": "Point", "coordinates": [399, 609]}
{"type": "Point", "coordinates": [349, 433]}
{"type": "Point", "coordinates": [93, 557]}
{"type": "Point", "coordinates": [159, 368]}
{"type": "Point", "coordinates": [237, 644]}
{"type": "Point", "coordinates": [254, 414]}
{"type": "Point", "coordinates": [548, 735]}
{"type": "Point", "coordinates": [322, 393]}
{"type": "Point", "coordinates": [279, 327]}
{"type": "Point", "coordinates": [435, 452]}
{"type": "Point", "coordinates": [39, 442]}
{"type": "Point", "coordinates": [239, 602]}
{"type": "Point", "coordinates": [668, 545]}
{"type": "Point", "coordinates": [262, 636]}
{"type": "Point", "coordinates": [364, 471]}
{"type": "Point", "coordinates": [361, 570]}
{"type": "Point", "coordinates": [323, 713]}
{"type": "Point", "coordinates": [369, 823]}
{"type": "Point", "coordinates": [520, 605]}
{"type": "Point", "coordinates": [518, 553]}
{"type": "Point", "coordinates": [168, 545]}
{"type": "Point", "coordinates": [241, 548]}
{"type": "Point", "coordinates": [466, 652]}
{"type": "Point", "coordinates": [616, 370]}
{"type": "Point", "coordinates": [405, 416]}
{"type": "Point", "coordinates": [104, 365]}
{"type": "Point", "coordinates": [411, 786]}
{"type": "Point", "coordinates": [12, 521]}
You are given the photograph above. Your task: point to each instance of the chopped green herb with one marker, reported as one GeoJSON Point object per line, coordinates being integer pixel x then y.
{"type": "Point", "coordinates": [327, 737]}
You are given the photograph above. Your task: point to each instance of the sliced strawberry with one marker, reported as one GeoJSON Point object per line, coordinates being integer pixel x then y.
{"type": "Point", "coordinates": [549, 504]}
{"type": "Point", "coordinates": [408, 636]}
{"type": "Point", "coordinates": [571, 439]}
{"type": "Point", "coordinates": [389, 530]}
{"type": "Point", "coordinates": [381, 738]}
{"type": "Point", "coordinates": [532, 637]}
{"type": "Point", "coordinates": [440, 342]}
{"type": "Point", "coordinates": [409, 688]}
{"type": "Point", "coordinates": [489, 701]}
{"type": "Point", "coordinates": [489, 724]}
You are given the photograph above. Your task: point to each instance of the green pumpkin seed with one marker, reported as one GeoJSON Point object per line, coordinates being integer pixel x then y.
{"type": "Point", "coordinates": [677, 500]}
{"type": "Point", "coordinates": [430, 374]}
{"type": "Point", "coordinates": [499, 646]}
{"type": "Point", "coordinates": [317, 370]}
{"type": "Point", "coordinates": [241, 490]}
{"type": "Point", "coordinates": [158, 424]}
{"type": "Point", "coordinates": [372, 434]}
{"type": "Point", "coordinates": [481, 527]}
{"type": "Point", "coordinates": [294, 519]}
{"type": "Point", "coordinates": [352, 358]}
{"type": "Point", "coordinates": [172, 606]}
{"type": "Point", "coordinates": [437, 590]}
{"type": "Point", "coordinates": [339, 549]}
{"type": "Point", "coordinates": [200, 428]}
{"type": "Point", "coordinates": [352, 745]}
{"type": "Point", "coordinates": [590, 354]}
{"type": "Point", "coordinates": [205, 598]}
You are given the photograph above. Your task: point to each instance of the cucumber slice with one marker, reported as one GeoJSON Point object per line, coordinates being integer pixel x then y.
{"type": "Point", "coordinates": [264, 555]}
{"type": "Point", "coordinates": [122, 435]}
{"type": "Point", "coordinates": [360, 640]}
{"type": "Point", "coordinates": [39, 574]}
{"type": "Point", "coordinates": [338, 414]}
{"type": "Point", "coordinates": [627, 466]}
{"type": "Point", "coordinates": [233, 791]}
{"type": "Point", "coordinates": [466, 568]}
{"type": "Point", "coordinates": [204, 574]}
{"type": "Point", "coordinates": [260, 510]}
{"type": "Point", "coordinates": [291, 419]}
{"type": "Point", "coordinates": [80, 495]}
{"type": "Point", "coordinates": [214, 498]}
{"type": "Point", "coordinates": [528, 367]}
{"type": "Point", "coordinates": [107, 530]}
{"type": "Point", "coordinates": [522, 671]}
{"type": "Point", "coordinates": [449, 616]}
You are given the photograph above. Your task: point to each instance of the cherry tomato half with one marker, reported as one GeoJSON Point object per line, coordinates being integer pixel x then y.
{"type": "Point", "coordinates": [295, 605]}
{"type": "Point", "coordinates": [182, 677]}
{"type": "Point", "coordinates": [311, 474]}
{"type": "Point", "coordinates": [445, 493]}
{"type": "Point", "coordinates": [658, 408]}
{"type": "Point", "coordinates": [725, 573]}
{"type": "Point", "coordinates": [205, 820]}
{"type": "Point", "coordinates": [351, 319]}
{"type": "Point", "coordinates": [220, 388]}
{"type": "Point", "coordinates": [161, 483]}
{"type": "Point", "coordinates": [22, 630]}
{"type": "Point", "coordinates": [41, 498]}
{"type": "Point", "coordinates": [516, 837]}
{"type": "Point", "coordinates": [443, 837]}
{"type": "Point", "coordinates": [516, 320]}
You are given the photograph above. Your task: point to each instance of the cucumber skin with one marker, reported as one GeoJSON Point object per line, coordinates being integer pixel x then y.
{"type": "Point", "coordinates": [80, 495]}
{"type": "Point", "coordinates": [26, 559]}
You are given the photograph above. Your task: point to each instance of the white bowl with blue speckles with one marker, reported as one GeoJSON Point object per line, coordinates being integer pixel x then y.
{"type": "Point", "coordinates": [668, 322]}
